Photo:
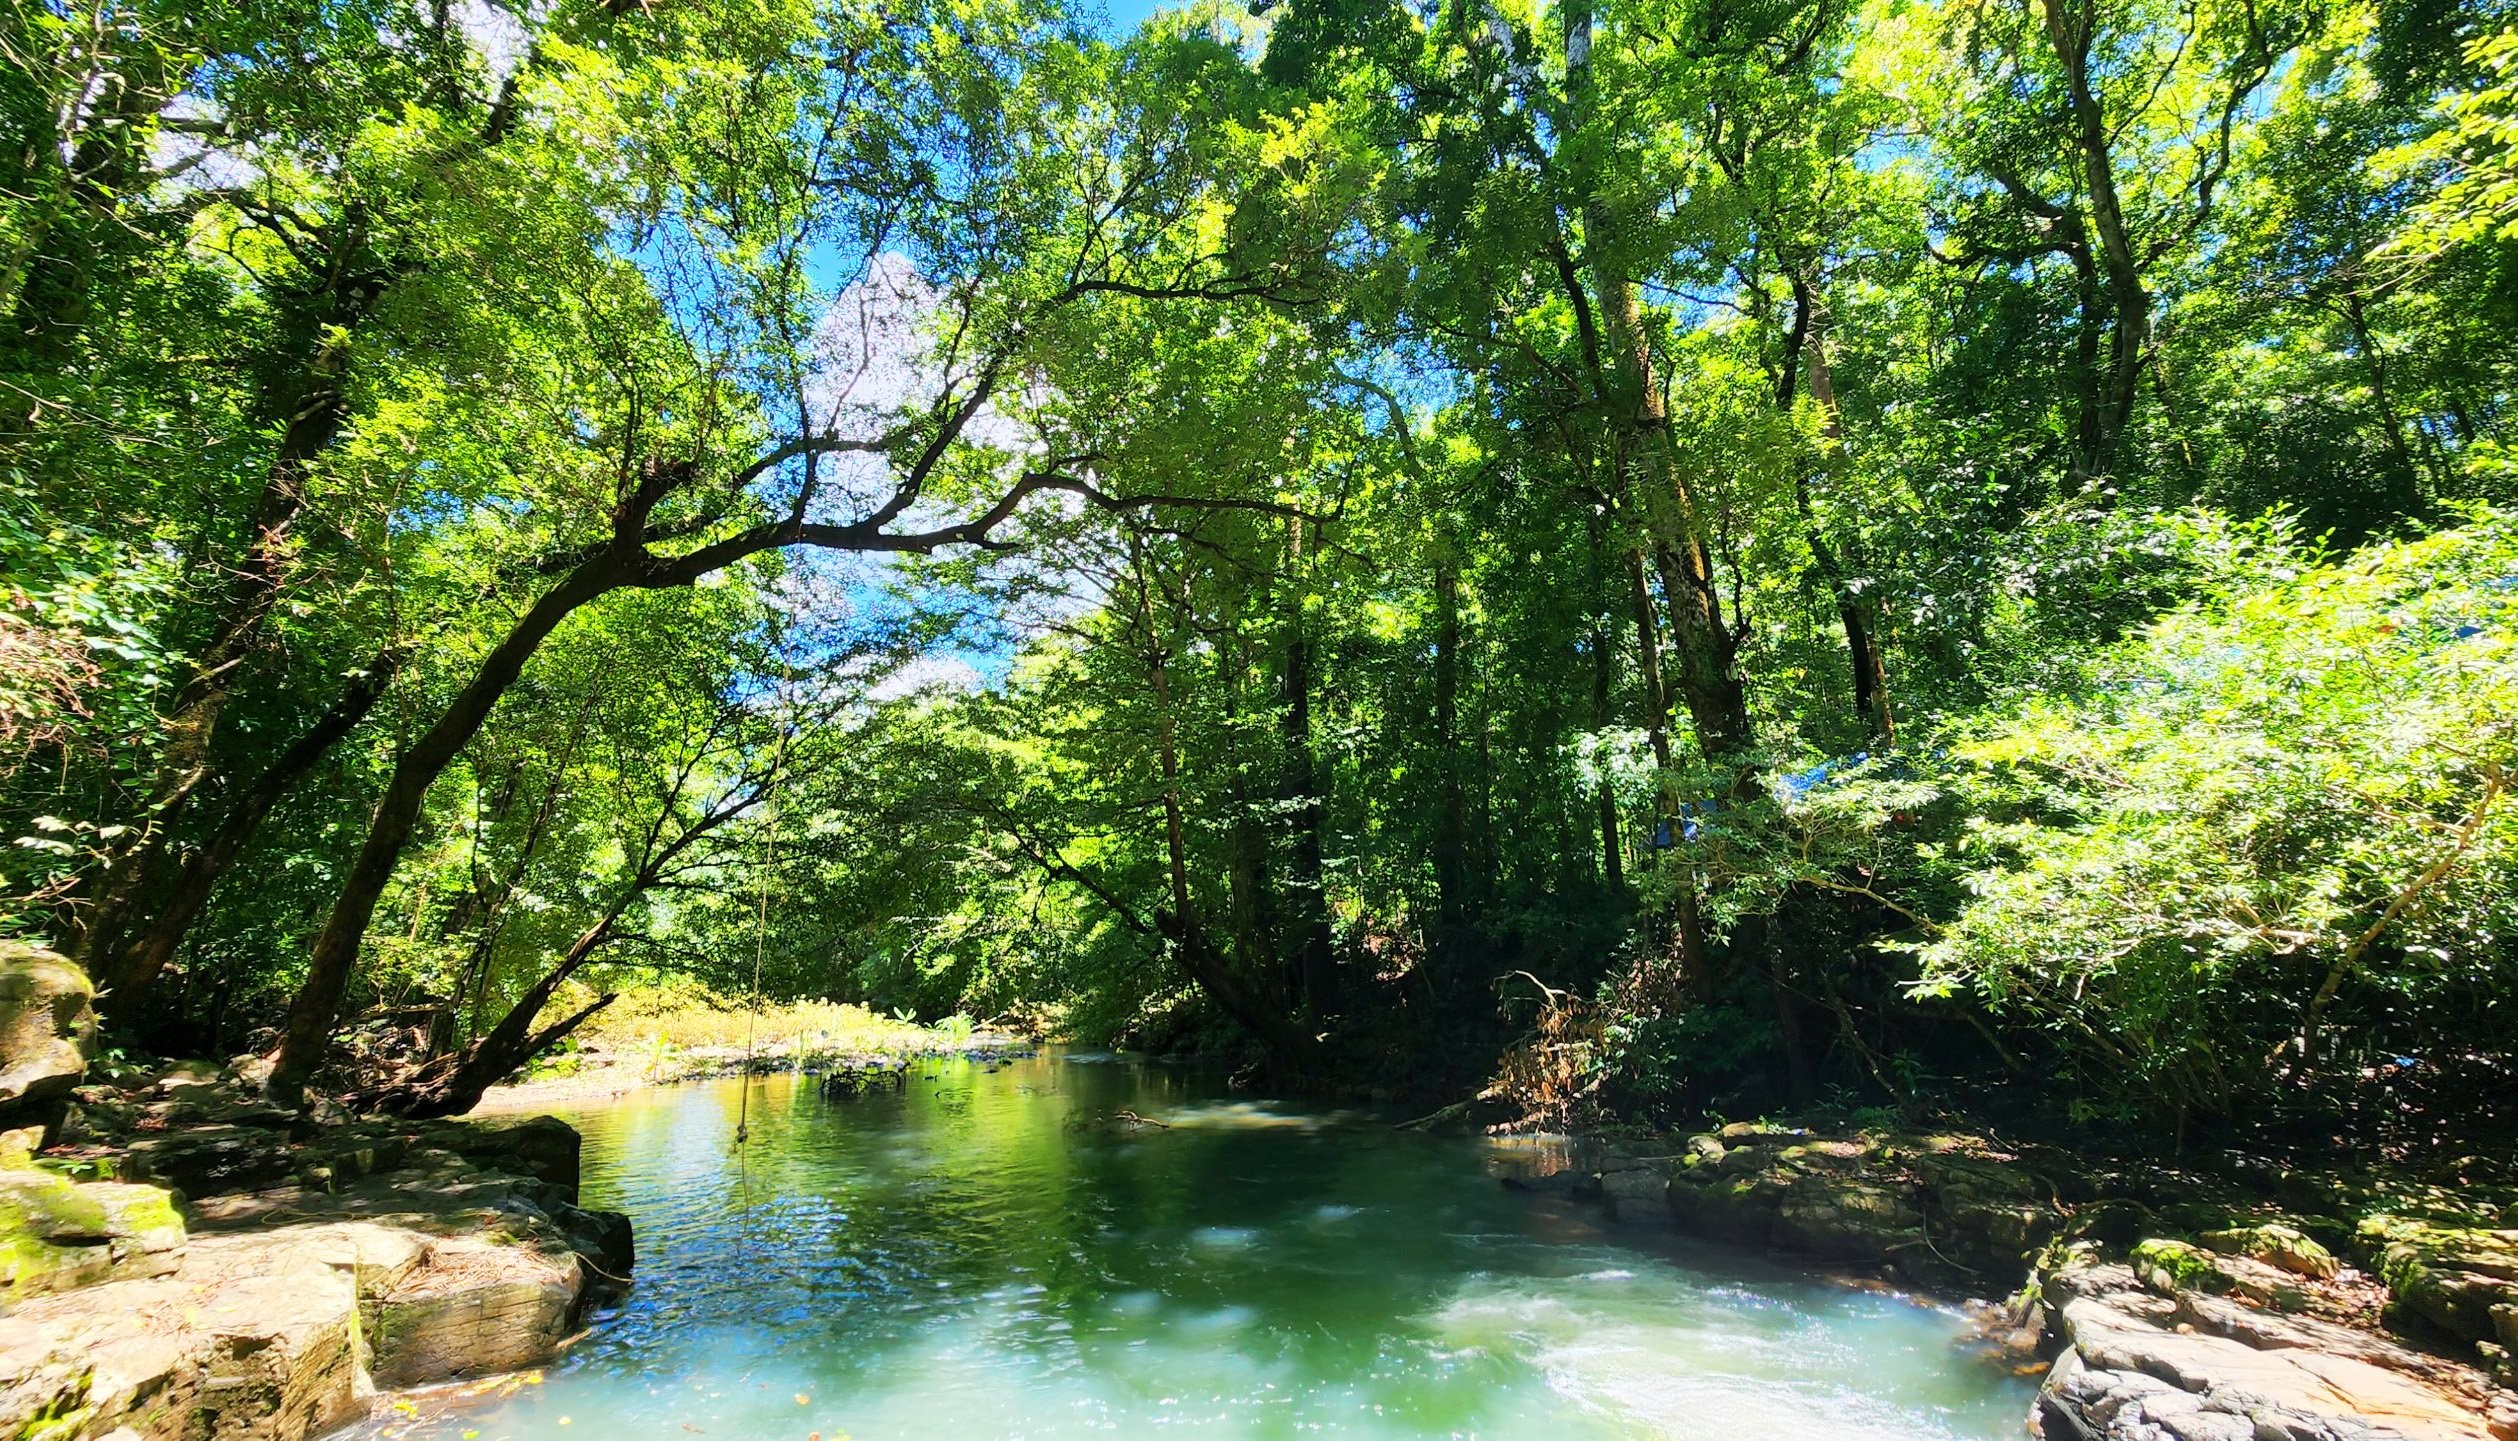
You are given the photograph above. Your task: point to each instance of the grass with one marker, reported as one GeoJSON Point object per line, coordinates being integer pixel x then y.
{"type": "Point", "coordinates": [669, 1033]}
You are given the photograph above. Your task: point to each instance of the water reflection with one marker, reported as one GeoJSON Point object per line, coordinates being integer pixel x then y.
{"type": "Point", "coordinates": [981, 1253]}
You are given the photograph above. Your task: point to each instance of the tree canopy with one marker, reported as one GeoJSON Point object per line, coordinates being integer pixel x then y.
{"type": "Point", "coordinates": [1669, 552]}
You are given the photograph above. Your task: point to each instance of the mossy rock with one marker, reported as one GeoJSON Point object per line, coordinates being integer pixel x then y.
{"type": "Point", "coordinates": [2450, 1279]}
{"type": "Point", "coordinates": [57, 1234]}
{"type": "Point", "coordinates": [2285, 1248]}
{"type": "Point", "coordinates": [2170, 1266]}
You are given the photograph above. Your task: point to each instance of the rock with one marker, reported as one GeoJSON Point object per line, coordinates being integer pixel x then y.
{"type": "Point", "coordinates": [603, 1241]}
{"type": "Point", "coordinates": [1845, 1220]}
{"type": "Point", "coordinates": [2284, 1248]}
{"type": "Point", "coordinates": [321, 1261]}
{"type": "Point", "coordinates": [2272, 1331]}
{"type": "Point", "coordinates": [543, 1147]}
{"type": "Point", "coordinates": [1942, 1211]}
{"type": "Point", "coordinates": [1636, 1191]}
{"type": "Point", "coordinates": [56, 1234]}
{"type": "Point", "coordinates": [46, 1010]}
{"type": "Point", "coordinates": [2447, 1278]}
{"type": "Point", "coordinates": [2137, 1366]}
{"type": "Point", "coordinates": [2171, 1267]}
{"type": "Point", "coordinates": [2123, 1378]}
{"type": "Point", "coordinates": [254, 1337]}
{"type": "Point", "coordinates": [18, 1147]}
{"type": "Point", "coordinates": [212, 1160]}
{"type": "Point", "coordinates": [473, 1309]}
{"type": "Point", "coordinates": [1750, 1130]}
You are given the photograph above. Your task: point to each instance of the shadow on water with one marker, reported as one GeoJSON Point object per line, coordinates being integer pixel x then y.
{"type": "Point", "coordinates": [983, 1252]}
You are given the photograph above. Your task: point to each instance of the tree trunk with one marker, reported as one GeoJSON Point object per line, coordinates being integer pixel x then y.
{"type": "Point", "coordinates": [1259, 1013]}
{"type": "Point", "coordinates": [307, 1031]}
{"type": "Point", "coordinates": [133, 973]}
{"type": "Point", "coordinates": [1301, 792]}
{"type": "Point", "coordinates": [1862, 640]}
{"type": "Point", "coordinates": [1451, 825]}
{"type": "Point", "coordinates": [1604, 716]}
{"type": "Point", "coordinates": [2408, 473]}
{"type": "Point", "coordinates": [2070, 30]}
{"type": "Point", "coordinates": [1708, 680]}
{"type": "Point", "coordinates": [314, 413]}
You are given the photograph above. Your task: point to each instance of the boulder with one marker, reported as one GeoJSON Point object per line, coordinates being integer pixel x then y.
{"type": "Point", "coordinates": [2173, 1267]}
{"type": "Point", "coordinates": [543, 1147]}
{"type": "Point", "coordinates": [2448, 1279]}
{"type": "Point", "coordinates": [473, 1309]}
{"type": "Point", "coordinates": [56, 1234]}
{"type": "Point", "coordinates": [1636, 1191]}
{"type": "Point", "coordinates": [46, 1010]}
{"type": "Point", "coordinates": [2285, 1248]}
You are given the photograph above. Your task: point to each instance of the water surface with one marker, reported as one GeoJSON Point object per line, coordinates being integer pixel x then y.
{"type": "Point", "coordinates": [988, 1253]}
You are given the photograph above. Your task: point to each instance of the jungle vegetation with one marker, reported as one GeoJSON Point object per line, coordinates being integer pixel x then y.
{"type": "Point", "coordinates": [1644, 554]}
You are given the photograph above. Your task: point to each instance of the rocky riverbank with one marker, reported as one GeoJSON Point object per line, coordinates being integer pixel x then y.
{"type": "Point", "coordinates": [249, 1274]}
{"type": "Point", "coordinates": [180, 1261]}
{"type": "Point", "coordinates": [2171, 1305]}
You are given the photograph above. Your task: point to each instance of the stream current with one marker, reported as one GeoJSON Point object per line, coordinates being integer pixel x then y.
{"type": "Point", "coordinates": [989, 1252]}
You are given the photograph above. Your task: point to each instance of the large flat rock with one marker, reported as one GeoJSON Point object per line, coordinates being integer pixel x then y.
{"type": "Point", "coordinates": [2139, 1366]}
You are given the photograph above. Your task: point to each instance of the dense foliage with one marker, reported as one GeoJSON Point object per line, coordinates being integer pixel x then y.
{"type": "Point", "coordinates": [1661, 553]}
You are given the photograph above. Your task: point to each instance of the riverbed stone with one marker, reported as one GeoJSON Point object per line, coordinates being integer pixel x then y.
{"type": "Point", "coordinates": [46, 1012]}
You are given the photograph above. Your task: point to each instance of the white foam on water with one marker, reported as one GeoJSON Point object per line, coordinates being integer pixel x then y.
{"type": "Point", "coordinates": [1683, 1362]}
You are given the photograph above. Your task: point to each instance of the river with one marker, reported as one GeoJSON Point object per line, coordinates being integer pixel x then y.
{"type": "Point", "coordinates": [987, 1252]}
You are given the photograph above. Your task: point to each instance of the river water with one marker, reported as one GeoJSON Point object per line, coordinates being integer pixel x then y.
{"type": "Point", "coordinates": [986, 1252]}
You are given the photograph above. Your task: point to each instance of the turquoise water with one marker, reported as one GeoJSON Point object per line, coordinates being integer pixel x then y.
{"type": "Point", "coordinates": [988, 1253]}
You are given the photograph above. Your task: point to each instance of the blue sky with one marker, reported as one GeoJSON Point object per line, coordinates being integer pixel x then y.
{"type": "Point", "coordinates": [1127, 15]}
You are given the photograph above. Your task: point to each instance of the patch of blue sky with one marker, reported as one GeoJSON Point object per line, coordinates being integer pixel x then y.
{"type": "Point", "coordinates": [1119, 19]}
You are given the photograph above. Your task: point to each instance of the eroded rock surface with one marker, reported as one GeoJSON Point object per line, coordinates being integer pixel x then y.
{"type": "Point", "coordinates": [321, 1264]}
{"type": "Point", "coordinates": [1945, 1212]}
{"type": "Point", "coordinates": [2139, 1365]}
{"type": "Point", "coordinates": [45, 1013]}
{"type": "Point", "coordinates": [57, 1234]}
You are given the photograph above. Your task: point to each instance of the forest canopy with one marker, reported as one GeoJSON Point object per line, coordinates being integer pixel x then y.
{"type": "Point", "coordinates": [1621, 556]}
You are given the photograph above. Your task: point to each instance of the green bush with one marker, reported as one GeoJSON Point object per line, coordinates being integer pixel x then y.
{"type": "Point", "coordinates": [2284, 802]}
